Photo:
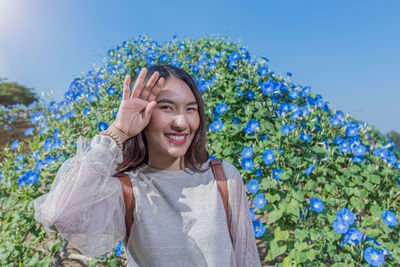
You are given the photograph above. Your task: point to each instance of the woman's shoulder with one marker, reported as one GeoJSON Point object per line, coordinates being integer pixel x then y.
{"type": "Point", "coordinates": [231, 172]}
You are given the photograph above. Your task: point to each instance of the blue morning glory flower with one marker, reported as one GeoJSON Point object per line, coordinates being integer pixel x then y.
{"type": "Point", "coordinates": [304, 214]}
{"type": "Point", "coordinates": [221, 108]}
{"type": "Point", "coordinates": [251, 126]}
{"type": "Point", "coordinates": [345, 215]}
{"type": "Point", "coordinates": [284, 108]}
{"type": "Point", "coordinates": [359, 150]}
{"type": "Point", "coordinates": [20, 157]}
{"type": "Point", "coordinates": [294, 94]}
{"type": "Point", "coordinates": [247, 164]}
{"type": "Point", "coordinates": [268, 156]}
{"type": "Point", "coordinates": [86, 111]}
{"type": "Point", "coordinates": [259, 228]}
{"type": "Point", "coordinates": [305, 136]}
{"type": "Point", "coordinates": [235, 120]}
{"type": "Point", "coordinates": [274, 99]}
{"type": "Point", "coordinates": [252, 186]}
{"type": "Point", "coordinates": [306, 90]}
{"type": "Point", "coordinates": [111, 90]}
{"type": "Point", "coordinates": [14, 144]}
{"type": "Point", "coordinates": [252, 213]}
{"type": "Point", "coordinates": [216, 126]}
{"type": "Point", "coordinates": [352, 131]}
{"type": "Point", "coordinates": [263, 137]}
{"type": "Point", "coordinates": [389, 217]}
{"type": "Point", "coordinates": [259, 172]}
{"type": "Point", "coordinates": [164, 57]}
{"type": "Point", "coordinates": [358, 159]}
{"type": "Point", "coordinates": [46, 144]}
{"type": "Point", "coordinates": [338, 140]}
{"type": "Point", "coordinates": [295, 115]}
{"type": "Point", "coordinates": [102, 126]}
{"type": "Point", "coordinates": [310, 169]}
{"type": "Point", "coordinates": [262, 71]}
{"type": "Point", "coordinates": [247, 152]}
{"type": "Point", "coordinates": [353, 236]}
{"type": "Point", "coordinates": [374, 257]}
{"type": "Point", "coordinates": [335, 120]}
{"type": "Point", "coordinates": [293, 106]}
{"type": "Point", "coordinates": [285, 129]}
{"type": "Point", "coordinates": [344, 147]}
{"type": "Point", "coordinates": [238, 81]}
{"type": "Point", "coordinates": [267, 87]}
{"type": "Point", "coordinates": [118, 249]}
{"type": "Point", "coordinates": [250, 94]}
{"type": "Point", "coordinates": [316, 205]}
{"type": "Point", "coordinates": [340, 226]}
{"type": "Point", "coordinates": [238, 93]}
{"type": "Point", "coordinates": [259, 201]}
{"type": "Point", "coordinates": [276, 173]}
{"type": "Point", "coordinates": [28, 131]}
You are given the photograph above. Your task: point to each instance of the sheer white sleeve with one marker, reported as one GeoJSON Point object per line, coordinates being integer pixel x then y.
{"type": "Point", "coordinates": [85, 203]}
{"type": "Point", "coordinates": [244, 242]}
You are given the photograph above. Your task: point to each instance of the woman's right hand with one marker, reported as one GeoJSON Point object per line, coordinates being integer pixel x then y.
{"type": "Point", "coordinates": [134, 113]}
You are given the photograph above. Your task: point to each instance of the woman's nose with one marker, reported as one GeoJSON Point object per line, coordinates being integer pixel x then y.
{"type": "Point", "coordinates": [180, 122]}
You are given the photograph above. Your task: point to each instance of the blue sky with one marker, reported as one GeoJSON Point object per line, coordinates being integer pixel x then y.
{"type": "Point", "coordinates": [347, 51]}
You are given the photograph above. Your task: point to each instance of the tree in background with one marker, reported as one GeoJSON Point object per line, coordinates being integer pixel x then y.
{"type": "Point", "coordinates": [12, 93]}
{"type": "Point", "coordinates": [394, 137]}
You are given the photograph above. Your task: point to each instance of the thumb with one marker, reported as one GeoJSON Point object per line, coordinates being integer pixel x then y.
{"type": "Point", "coordinates": [149, 110]}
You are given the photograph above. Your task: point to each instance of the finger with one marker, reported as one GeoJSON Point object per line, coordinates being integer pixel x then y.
{"type": "Point", "coordinates": [156, 89]}
{"type": "Point", "coordinates": [125, 90]}
{"type": "Point", "coordinates": [149, 110]}
{"type": "Point", "coordinates": [138, 84]}
{"type": "Point", "coordinates": [149, 85]}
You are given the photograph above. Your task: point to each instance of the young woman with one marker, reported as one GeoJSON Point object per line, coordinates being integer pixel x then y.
{"type": "Point", "coordinates": [158, 138]}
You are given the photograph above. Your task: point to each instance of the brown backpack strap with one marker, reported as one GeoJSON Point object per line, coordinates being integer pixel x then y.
{"type": "Point", "coordinates": [129, 200]}
{"type": "Point", "coordinates": [219, 175]}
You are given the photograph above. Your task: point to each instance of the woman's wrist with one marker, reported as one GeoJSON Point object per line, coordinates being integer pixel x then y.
{"type": "Point", "coordinates": [119, 136]}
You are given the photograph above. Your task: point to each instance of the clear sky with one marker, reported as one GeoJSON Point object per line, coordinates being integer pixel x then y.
{"type": "Point", "coordinates": [347, 51]}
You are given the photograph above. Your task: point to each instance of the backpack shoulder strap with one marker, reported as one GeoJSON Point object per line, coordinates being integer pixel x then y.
{"type": "Point", "coordinates": [219, 176]}
{"type": "Point", "coordinates": [129, 200]}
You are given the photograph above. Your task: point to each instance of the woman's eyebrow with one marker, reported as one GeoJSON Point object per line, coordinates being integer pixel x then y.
{"type": "Point", "coordinates": [173, 103]}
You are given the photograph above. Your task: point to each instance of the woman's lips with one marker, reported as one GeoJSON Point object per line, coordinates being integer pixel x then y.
{"type": "Point", "coordinates": [177, 142]}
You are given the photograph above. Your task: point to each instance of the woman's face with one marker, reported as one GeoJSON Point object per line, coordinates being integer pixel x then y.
{"type": "Point", "coordinates": [174, 117]}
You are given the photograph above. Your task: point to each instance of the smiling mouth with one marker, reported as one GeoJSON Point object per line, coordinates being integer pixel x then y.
{"type": "Point", "coordinates": [177, 140]}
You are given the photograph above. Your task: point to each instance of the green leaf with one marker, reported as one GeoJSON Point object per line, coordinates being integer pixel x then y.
{"type": "Point", "coordinates": [54, 246]}
{"type": "Point", "coordinates": [275, 250]}
{"type": "Point", "coordinates": [373, 232]}
{"type": "Point", "coordinates": [298, 194]}
{"type": "Point", "coordinates": [280, 235]}
{"type": "Point", "coordinates": [293, 207]}
{"type": "Point", "coordinates": [358, 204]}
{"type": "Point", "coordinates": [311, 254]}
{"type": "Point", "coordinates": [34, 260]}
{"type": "Point", "coordinates": [272, 198]}
{"type": "Point", "coordinates": [274, 216]}
{"type": "Point", "coordinates": [300, 234]}
{"type": "Point", "coordinates": [300, 246]}
{"type": "Point", "coordinates": [374, 179]}
{"type": "Point", "coordinates": [376, 211]}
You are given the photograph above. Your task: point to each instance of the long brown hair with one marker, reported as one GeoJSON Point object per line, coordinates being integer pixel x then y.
{"type": "Point", "coordinates": [135, 152]}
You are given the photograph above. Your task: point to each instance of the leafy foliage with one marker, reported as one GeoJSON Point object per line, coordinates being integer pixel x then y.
{"type": "Point", "coordinates": [304, 162]}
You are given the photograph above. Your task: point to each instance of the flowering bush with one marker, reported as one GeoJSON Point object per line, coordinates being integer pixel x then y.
{"type": "Point", "coordinates": [326, 183]}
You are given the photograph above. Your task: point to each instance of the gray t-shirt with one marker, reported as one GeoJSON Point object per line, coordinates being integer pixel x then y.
{"type": "Point", "coordinates": [179, 217]}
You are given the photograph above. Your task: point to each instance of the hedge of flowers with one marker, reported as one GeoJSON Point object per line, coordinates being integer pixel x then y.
{"type": "Point", "coordinates": [326, 184]}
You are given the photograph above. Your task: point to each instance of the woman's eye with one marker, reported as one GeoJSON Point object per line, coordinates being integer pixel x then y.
{"type": "Point", "coordinates": [165, 107]}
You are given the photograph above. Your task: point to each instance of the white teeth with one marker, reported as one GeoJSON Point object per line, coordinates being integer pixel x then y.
{"type": "Point", "coordinates": [175, 137]}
